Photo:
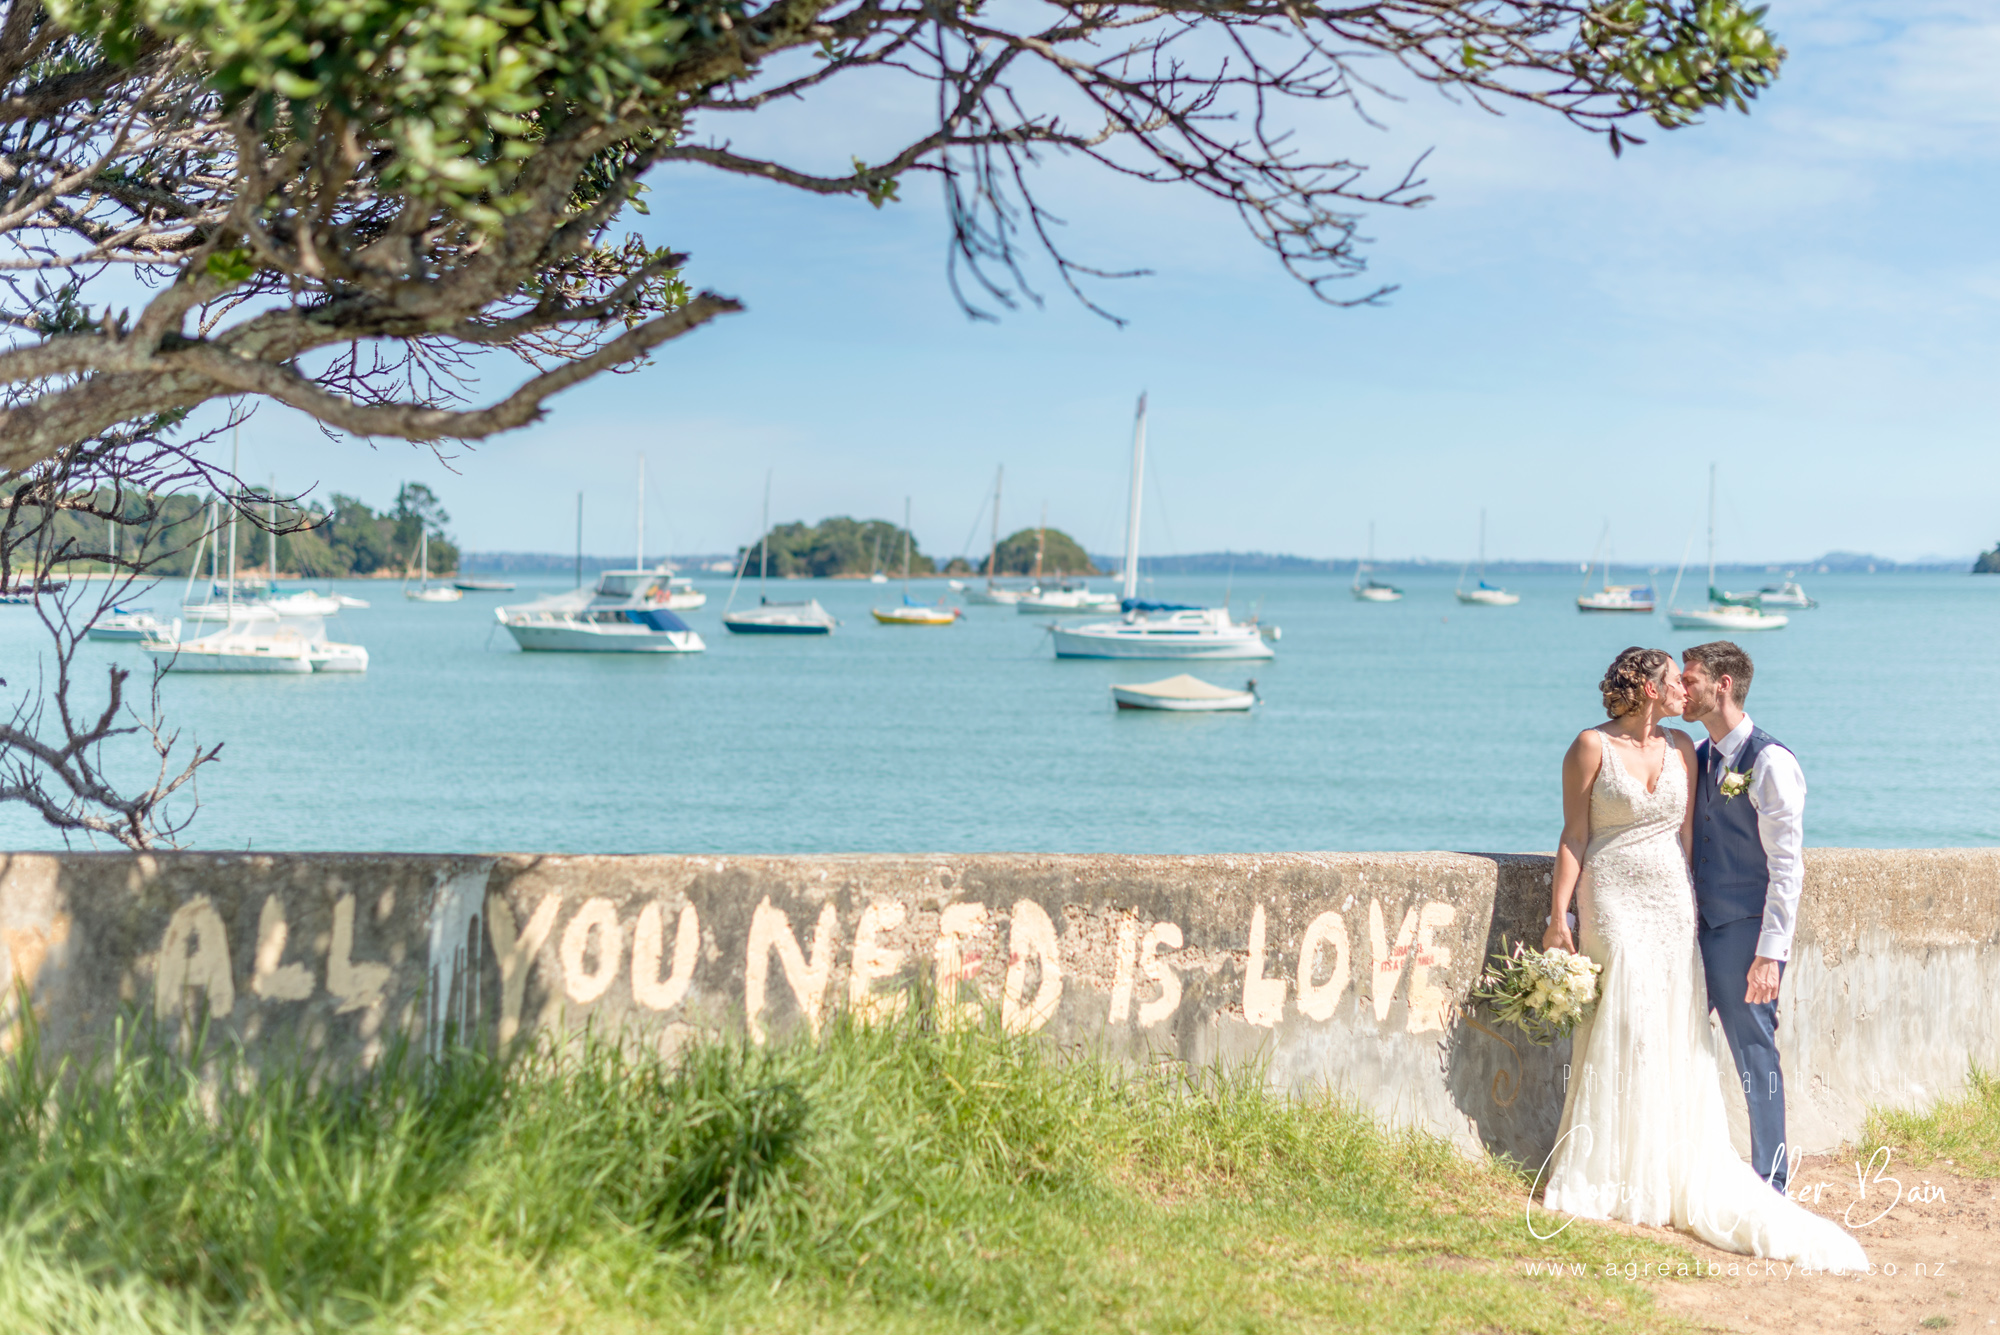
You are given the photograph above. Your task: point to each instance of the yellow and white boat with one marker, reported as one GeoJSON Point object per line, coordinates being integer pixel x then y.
{"type": "Point", "coordinates": [916, 614]}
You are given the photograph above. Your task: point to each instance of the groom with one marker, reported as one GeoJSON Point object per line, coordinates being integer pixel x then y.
{"type": "Point", "coordinates": [1749, 839]}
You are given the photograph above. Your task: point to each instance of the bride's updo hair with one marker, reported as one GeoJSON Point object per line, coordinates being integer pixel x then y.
{"type": "Point", "coordinates": [1625, 681]}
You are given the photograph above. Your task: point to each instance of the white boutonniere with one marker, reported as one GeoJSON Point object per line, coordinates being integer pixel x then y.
{"type": "Point", "coordinates": [1735, 782]}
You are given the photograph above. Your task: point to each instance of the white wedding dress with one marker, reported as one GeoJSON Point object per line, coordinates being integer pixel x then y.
{"type": "Point", "coordinates": [1645, 1137]}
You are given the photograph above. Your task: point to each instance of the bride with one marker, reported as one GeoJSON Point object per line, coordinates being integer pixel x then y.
{"type": "Point", "coordinates": [1644, 1135]}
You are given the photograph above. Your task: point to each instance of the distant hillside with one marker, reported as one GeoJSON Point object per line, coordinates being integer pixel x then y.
{"type": "Point", "coordinates": [1061, 554]}
{"type": "Point", "coordinates": [1988, 562]}
{"type": "Point", "coordinates": [836, 547]}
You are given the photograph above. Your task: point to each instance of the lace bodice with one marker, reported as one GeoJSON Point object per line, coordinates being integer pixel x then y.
{"type": "Point", "coordinates": [1638, 881]}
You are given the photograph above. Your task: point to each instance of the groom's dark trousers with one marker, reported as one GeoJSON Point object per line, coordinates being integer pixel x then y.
{"type": "Point", "coordinates": [1727, 952]}
{"type": "Point", "coordinates": [1731, 879]}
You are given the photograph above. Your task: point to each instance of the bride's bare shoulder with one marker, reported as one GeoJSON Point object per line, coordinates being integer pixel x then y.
{"type": "Point", "coordinates": [1587, 749]}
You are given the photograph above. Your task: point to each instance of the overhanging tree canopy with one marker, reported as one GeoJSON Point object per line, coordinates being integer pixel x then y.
{"type": "Point", "coordinates": [334, 204]}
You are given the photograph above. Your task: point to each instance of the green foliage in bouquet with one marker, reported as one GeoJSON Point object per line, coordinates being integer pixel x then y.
{"type": "Point", "coordinates": [1543, 993]}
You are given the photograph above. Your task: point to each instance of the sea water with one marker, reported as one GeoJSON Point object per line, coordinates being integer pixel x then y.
{"type": "Point", "coordinates": [1423, 724]}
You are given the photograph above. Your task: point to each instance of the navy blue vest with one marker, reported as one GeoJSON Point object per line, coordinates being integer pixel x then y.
{"type": "Point", "coordinates": [1731, 876]}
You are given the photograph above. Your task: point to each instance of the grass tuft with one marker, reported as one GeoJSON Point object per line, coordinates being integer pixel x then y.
{"type": "Point", "coordinates": [1964, 1130]}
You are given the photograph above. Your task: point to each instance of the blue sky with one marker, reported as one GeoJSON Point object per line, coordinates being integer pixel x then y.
{"type": "Point", "coordinates": [1808, 296]}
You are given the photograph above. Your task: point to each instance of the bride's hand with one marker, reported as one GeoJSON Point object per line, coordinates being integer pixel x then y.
{"type": "Point", "coordinates": [1557, 936]}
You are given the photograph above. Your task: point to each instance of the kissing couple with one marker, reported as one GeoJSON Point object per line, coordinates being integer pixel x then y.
{"type": "Point", "coordinates": [1684, 863]}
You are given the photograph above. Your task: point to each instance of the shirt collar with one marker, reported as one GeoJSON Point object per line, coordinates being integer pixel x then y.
{"type": "Point", "coordinates": [1733, 741]}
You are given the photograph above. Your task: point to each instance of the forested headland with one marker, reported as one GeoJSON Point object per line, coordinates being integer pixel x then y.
{"type": "Point", "coordinates": [340, 536]}
{"type": "Point", "coordinates": [1061, 554]}
{"type": "Point", "coordinates": [852, 548]}
{"type": "Point", "coordinates": [836, 547]}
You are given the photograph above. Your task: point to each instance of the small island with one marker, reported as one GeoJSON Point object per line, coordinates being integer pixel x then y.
{"type": "Point", "coordinates": [1061, 554]}
{"type": "Point", "coordinates": [1988, 562]}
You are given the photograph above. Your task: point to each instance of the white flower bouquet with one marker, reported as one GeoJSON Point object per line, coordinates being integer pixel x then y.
{"type": "Point", "coordinates": [1543, 993]}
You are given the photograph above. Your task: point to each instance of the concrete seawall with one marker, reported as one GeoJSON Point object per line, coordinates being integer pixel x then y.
{"type": "Point", "coordinates": [1341, 970]}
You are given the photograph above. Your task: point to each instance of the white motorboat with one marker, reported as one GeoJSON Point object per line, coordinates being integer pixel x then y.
{"type": "Point", "coordinates": [1372, 590]}
{"type": "Point", "coordinates": [128, 623]}
{"type": "Point", "coordinates": [294, 645]}
{"type": "Point", "coordinates": [345, 600]}
{"type": "Point", "coordinates": [769, 618]}
{"type": "Point", "coordinates": [426, 592]}
{"type": "Point", "coordinates": [683, 596]}
{"type": "Point", "coordinates": [1184, 694]}
{"type": "Point", "coordinates": [1788, 594]}
{"type": "Point", "coordinates": [1067, 599]}
{"type": "Point", "coordinates": [625, 613]}
{"type": "Point", "coordinates": [1611, 597]}
{"type": "Point", "coordinates": [1720, 614]}
{"type": "Point", "coordinates": [1483, 594]}
{"type": "Point", "coordinates": [1617, 598]}
{"type": "Point", "coordinates": [1157, 630]}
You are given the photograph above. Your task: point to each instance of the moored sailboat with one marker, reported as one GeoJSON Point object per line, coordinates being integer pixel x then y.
{"type": "Point", "coordinates": [1157, 630]}
{"type": "Point", "coordinates": [769, 618]}
{"type": "Point", "coordinates": [1720, 614]}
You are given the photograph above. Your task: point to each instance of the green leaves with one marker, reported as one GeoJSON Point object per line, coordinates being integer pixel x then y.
{"type": "Point", "coordinates": [231, 266]}
{"type": "Point", "coordinates": [459, 92]}
{"type": "Point", "coordinates": [1674, 60]}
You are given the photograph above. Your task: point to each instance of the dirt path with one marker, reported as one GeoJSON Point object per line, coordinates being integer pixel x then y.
{"type": "Point", "coordinates": [1933, 1238]}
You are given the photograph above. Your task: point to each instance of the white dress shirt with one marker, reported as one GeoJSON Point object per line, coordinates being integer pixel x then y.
{"type": "Point", "coordinates": [1777, 794]}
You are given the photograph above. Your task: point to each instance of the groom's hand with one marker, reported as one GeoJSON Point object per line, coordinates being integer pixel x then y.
{"type": "Point", "coordinates": [1763, 982]}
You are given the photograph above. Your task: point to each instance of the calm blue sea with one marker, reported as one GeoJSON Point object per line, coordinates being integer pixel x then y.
{"type": "Point", "coordinates": [1414, 725]}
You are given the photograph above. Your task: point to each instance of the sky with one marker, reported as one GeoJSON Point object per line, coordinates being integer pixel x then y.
{"type": "Point", "coordinates": [1807, 297]}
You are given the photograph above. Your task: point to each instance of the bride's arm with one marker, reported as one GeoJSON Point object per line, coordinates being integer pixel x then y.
{"type": "Point", "coordinates": [1580, 766]}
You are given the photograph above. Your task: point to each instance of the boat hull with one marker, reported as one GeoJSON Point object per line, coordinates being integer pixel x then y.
{"type": "Point", "coordinates": [1729, 620]}
{"type": "Point", "coordinates": [995, 597]}
{"type": "Point", "coordinates": [180, 658]}
{"type": "Point", "coordinates": [1127, 698]}
{"type": "Point", "coordinates": [1586, 605]}
{"type": "Point", "coordinates": [1159, 646]}
{"type": "Point", "coordinates": [1487, 598]}
{"type": "Point", "coordinates": [125, 633]}
{"type": "Point", "coordinates": [913, 616]}
{"type": "Point", "coordinates": [587, 639]}
{"type": "Point", "coordinates": [737, 623]}
{"type": "Point", "coordinates": [1379, 595]}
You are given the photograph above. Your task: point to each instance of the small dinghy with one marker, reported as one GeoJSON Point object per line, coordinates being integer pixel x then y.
{"type": "Point", "coordinates": [1184, 693]}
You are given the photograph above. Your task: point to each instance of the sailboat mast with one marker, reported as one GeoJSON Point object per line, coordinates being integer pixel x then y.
{"type": "Point", "coordinates": [1041, 539]}
{"type": "Point", "coordinates": [1482, 544]}
{"type": "Point", "coordinates": [906, 549]}
{"type": "Point", "coordinates": [579, 540]}
{"type": "Point", "coordinates": [1711, 532]}
{"type": "Point", "coordinates": [1132, 511]}
{"type": "Point", "coordinates": [235, 454]}
{"type": "Point", "coordinates": [993, 552]}
{"type": "Point", "coordinates": [764, 543]}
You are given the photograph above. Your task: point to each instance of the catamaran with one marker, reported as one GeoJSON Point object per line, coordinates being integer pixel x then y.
{"type": "Point", "coordinates": [288, 644]}
{"type": "Point", "coordinates": [1157, 630]}
{"type": "Point", "coordinates": [769, 618]}
{"type": "Point", "coordinates": [1483, 594]}
{"type": "Point", "coordinates": [1720, 614]}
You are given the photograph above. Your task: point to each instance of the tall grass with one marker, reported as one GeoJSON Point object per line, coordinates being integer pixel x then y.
{"type": "Point", "coordinates": [884, 1178]}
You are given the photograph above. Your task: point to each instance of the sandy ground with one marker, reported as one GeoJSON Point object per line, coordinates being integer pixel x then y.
{"type": "Point", "coordinates": [1932, 1237]}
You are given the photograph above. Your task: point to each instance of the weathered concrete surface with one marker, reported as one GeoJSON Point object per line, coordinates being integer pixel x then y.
{"type": "Point", "coordinates": [1340, 970]}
